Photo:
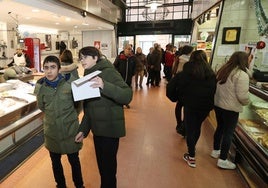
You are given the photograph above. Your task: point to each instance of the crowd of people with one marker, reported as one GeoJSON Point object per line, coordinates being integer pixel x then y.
{"type": "Point", "coordinates": [190, 82]}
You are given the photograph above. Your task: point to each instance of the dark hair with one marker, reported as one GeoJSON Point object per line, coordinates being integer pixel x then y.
{"type": "Point", "coordinates": [90, 51]}
{"type": "Point", "coordinates": [62, 46]}
{"type": "Point", "coordinates": [66, 57]}
{"type": "Point", "coordinates": [186, 49]}
{"type": "Point", "coordinates": [169, 47]}
{"type": "Point", "coordinates": [198, 66]}
{"type": "Point", "coordinates": [238, 59]}
{"type": "Point", "coordinates": [52, 58]}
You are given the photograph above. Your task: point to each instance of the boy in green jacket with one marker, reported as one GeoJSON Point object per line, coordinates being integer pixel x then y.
{"type": "Point", "coordinates": [55, 99]}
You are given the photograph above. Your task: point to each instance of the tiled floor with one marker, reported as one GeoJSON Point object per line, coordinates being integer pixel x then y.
{"type": "Point", "coordinates": [150, 156]}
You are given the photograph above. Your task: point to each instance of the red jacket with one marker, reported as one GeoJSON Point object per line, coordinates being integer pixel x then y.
{"type": "Point", "coordinates": [169, 59]}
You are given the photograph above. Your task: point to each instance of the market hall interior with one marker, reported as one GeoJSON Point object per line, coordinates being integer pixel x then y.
{"type": "Point", "coordinates": [149, 156]}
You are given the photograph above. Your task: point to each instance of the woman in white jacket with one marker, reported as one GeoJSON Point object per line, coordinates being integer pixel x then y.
{"type": "Point", "coordinates": [231, 95]}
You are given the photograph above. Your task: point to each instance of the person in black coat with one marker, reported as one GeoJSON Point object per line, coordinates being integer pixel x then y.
{"type": "Point", "coordinates": [125, 63]}
{"type": "Point", "coordinates": [195, 86]}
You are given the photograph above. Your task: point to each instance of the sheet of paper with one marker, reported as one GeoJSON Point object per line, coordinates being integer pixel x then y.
{"type": "Point", "coordinates": [82, 90]}
{"type": "Point", "coordinates": [87, 77]}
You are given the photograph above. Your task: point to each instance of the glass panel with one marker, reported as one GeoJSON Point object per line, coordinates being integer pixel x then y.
{"type": "Point", "coordinates": [149, 15]}
{"type": "Point", "coordinates": [181, 40]}
{"type": "Point", "coordinates": [177, 8]}
{"type": "Point", "coordinates": [134, 11]}
{"type": "Point", "coordinates": [147, 41]}
{"type": "Point", "coordinates": [185, 15]}
{"type": "Point", "coordinates": [169, 17]}
{"type": "Point", "coordinates": [134, 4]}
{"type": "Point", "coordinates": [180, 1]}
{"type": "Point", "coordinates": [141, 18]}
{"type": "Point", "coordinates": [122, 41]}
{"type": "Point", "coordinates": [178, 15]}
{"type": "Point", "coordinates": [133, 18]}
{"type": "Point", "coordinates": [185, 7]}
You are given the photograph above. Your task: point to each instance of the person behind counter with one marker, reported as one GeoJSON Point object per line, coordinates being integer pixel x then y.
{"type": "Point", "coordinates": [20, 59]}
{"type": "Point", "coordinates": [55, 99]}
{"type": "Point", "coordinates": [19, 65]}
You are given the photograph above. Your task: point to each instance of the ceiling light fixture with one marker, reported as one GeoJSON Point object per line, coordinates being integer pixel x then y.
{"type": "Point", "coordinates": [34, 29]}
{"type": "Point", "coordinates": [35, 10]}
{"type": "Point", "coordinates": [153, 4]}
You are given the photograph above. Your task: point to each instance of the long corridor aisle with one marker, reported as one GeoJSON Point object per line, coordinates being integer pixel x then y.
{"type": "Point", "coordinates": [150, 156]}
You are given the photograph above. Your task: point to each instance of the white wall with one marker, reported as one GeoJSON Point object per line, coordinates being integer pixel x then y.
{"type": "Point", "coordinates": [107, 41]}
{"type": "Point", "coordinates": [238, 14]}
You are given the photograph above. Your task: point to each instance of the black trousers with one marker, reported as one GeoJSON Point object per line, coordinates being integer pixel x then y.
{"type": "Point", "coordinates": [155, 77]}
{"type": "Point", "coordinates": [178, 112]}
{"type": "Point", "coordinates": [58, 169]}
{"type": "Point", "coordinates": [106, 152]}
{"type": "Point", "coordinates": [226, 123]}
{"type": "Point", "coordinates": [193, 121]}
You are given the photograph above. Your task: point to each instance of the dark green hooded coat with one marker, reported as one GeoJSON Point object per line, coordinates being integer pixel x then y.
{"type": "Point", "coordinates": [105, 115]}
{"type": "Point", "coordinates": [60, 116]}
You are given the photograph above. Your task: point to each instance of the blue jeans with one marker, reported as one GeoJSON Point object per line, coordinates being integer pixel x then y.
{"type": "Point", "coordinates": [226, 123]}
{"type": "Point", "coordinates": [193, 121]}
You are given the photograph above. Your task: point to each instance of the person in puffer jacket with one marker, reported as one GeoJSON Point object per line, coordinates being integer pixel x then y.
{"type": "Point", "coordinates": [195, 86]}
{"type": "Point", "coordinates": [104, 115]}
{"type": "Point", "coordinates": [55, 99]}
{"type": "Point", "coordinates": [231, 95]}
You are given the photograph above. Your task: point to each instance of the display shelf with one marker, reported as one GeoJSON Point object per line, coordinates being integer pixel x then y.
{"type": "Point", "coordinates": [251, 137]}
{"type": "Point", "coordinates": [20, 118]}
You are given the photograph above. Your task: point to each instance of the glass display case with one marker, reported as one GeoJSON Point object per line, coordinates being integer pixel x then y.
{"type": "Point", "coordinates": [251, 138]}
{"type": "Point", "coordinates": [20, 117]}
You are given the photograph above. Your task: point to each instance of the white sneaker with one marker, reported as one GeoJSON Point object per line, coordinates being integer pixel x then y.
{"type": "Point", "coordinates": [215, 153]}
{"type": "Point", "coordinates": [226, 164]}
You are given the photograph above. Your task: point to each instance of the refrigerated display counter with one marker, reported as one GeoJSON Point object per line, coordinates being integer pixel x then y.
{"type": "Point", "coordinates": [251, 138]}
{"type": "Point", "coordinates": [20, 118]}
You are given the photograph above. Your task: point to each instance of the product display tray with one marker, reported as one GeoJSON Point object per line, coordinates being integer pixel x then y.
{"type": "Point", "coordinates": [15, 115]}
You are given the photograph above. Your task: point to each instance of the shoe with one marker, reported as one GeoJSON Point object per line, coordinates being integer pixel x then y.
{"type": "Point", "coordinates": [190, 160]}
{"type": "Point", "coordinates": [226, 164]}
{"type": "Point", "coordinates": [140, 86]}
{"type": "Point", "coordinates": [215, 154]}
{"type": "Point", "coordinates": [127, 106]}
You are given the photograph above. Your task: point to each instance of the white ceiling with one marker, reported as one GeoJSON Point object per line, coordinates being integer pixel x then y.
{"type": "Point", "coordinates": [51, 15]}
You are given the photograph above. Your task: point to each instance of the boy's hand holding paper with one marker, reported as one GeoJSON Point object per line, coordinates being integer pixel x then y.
{"type": "Point", "coordinates": [86, 87]}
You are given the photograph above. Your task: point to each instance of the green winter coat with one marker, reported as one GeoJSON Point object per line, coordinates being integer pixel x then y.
{"type": "Point", "coordinates": [60, 116]}
{"type": "Point", "coordinates": [105, 115]}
